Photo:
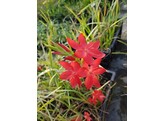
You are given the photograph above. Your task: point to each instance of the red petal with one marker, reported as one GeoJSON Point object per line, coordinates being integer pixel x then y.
{"type": "Point", "coordinates": [39, 68]}
{"type": "Point", "coordinates": [88, 59]}
{"type": "Point", "coordinates": [85, 65]}
{"type": "Point", "coordinates": [99, 71]}
{"type": "Point", "coordinates": [92, 101]}
{"type": "Point", "coordinates": [87, 116]}
{"type": "Point", "coordinates": [82, 40]}
{"type": "Point", "coordinates": [96, 53]}
{"type": "Point", "coordinates": [82, 72]}
{"type": "Point", "coordinates": [94, 45]}
{"type": "Point", "coordinates": [66, 65]}
{"type": "Point", "coordinates": [95, 81]}
{"type": "Point", "coordinates": [75, 65]}
{"type": "Point", "coordinates": [65, 75]}
{"type": "Point", "coordinates": [80, 53]}
{"type": "Point", "coordinates": [88, 82]}
{"type": "Point", "coordinates": [75, 81]}
{"type": "Point", "coordinates": [70, 58]}
{"type": "Point", "coordinates": [101, 98]}
{"type": "Point", "coordinates": [72, 43]}
{"type": "Point", "coordinates": [96, 62]}
{"type": "Point", "coordinates": [64, 47]}
{"type": "Point", "coordinates": [56, 53]}
{"type": "Point", "coordinates": [98, 95]}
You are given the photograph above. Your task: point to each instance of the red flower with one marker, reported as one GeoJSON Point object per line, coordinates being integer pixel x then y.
{"type": "Point", "coordinates": [72, 73]}
{"type": "Point", "coordinates": [91, 73]}
{"type": "Point", "coordinates": [87, 116]}
{"type": "Point", "coordinates": [39, 68]}
{"type": "Point", "coordinates": [84, 50]}
{"type": "Point", "coordinates": [97, 95]}
{"type": "Point", "coordinates": [71, 58]}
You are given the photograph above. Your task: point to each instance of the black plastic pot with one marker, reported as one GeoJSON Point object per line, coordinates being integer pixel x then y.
{"type": "Point", "coordinates": [114, 107]}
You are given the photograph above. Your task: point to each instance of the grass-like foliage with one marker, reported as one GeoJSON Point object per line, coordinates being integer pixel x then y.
{"type": "Point", "coordinates": [60, 23]}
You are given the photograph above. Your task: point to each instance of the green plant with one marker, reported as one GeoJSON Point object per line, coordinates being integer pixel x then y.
{"type": "Point", "coordinates": [56, 8]}
{"type": "Point", "coordinates": [74, 71]}
{"type": "Point", "coordinates": [97, 20]}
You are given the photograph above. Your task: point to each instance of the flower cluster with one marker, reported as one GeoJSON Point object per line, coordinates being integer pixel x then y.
{"type": "Point", "coordinates": [83, 64]}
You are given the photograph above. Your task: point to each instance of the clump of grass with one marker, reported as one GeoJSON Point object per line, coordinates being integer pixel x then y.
{"type": "Point", "coordinates": [99, 20]}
